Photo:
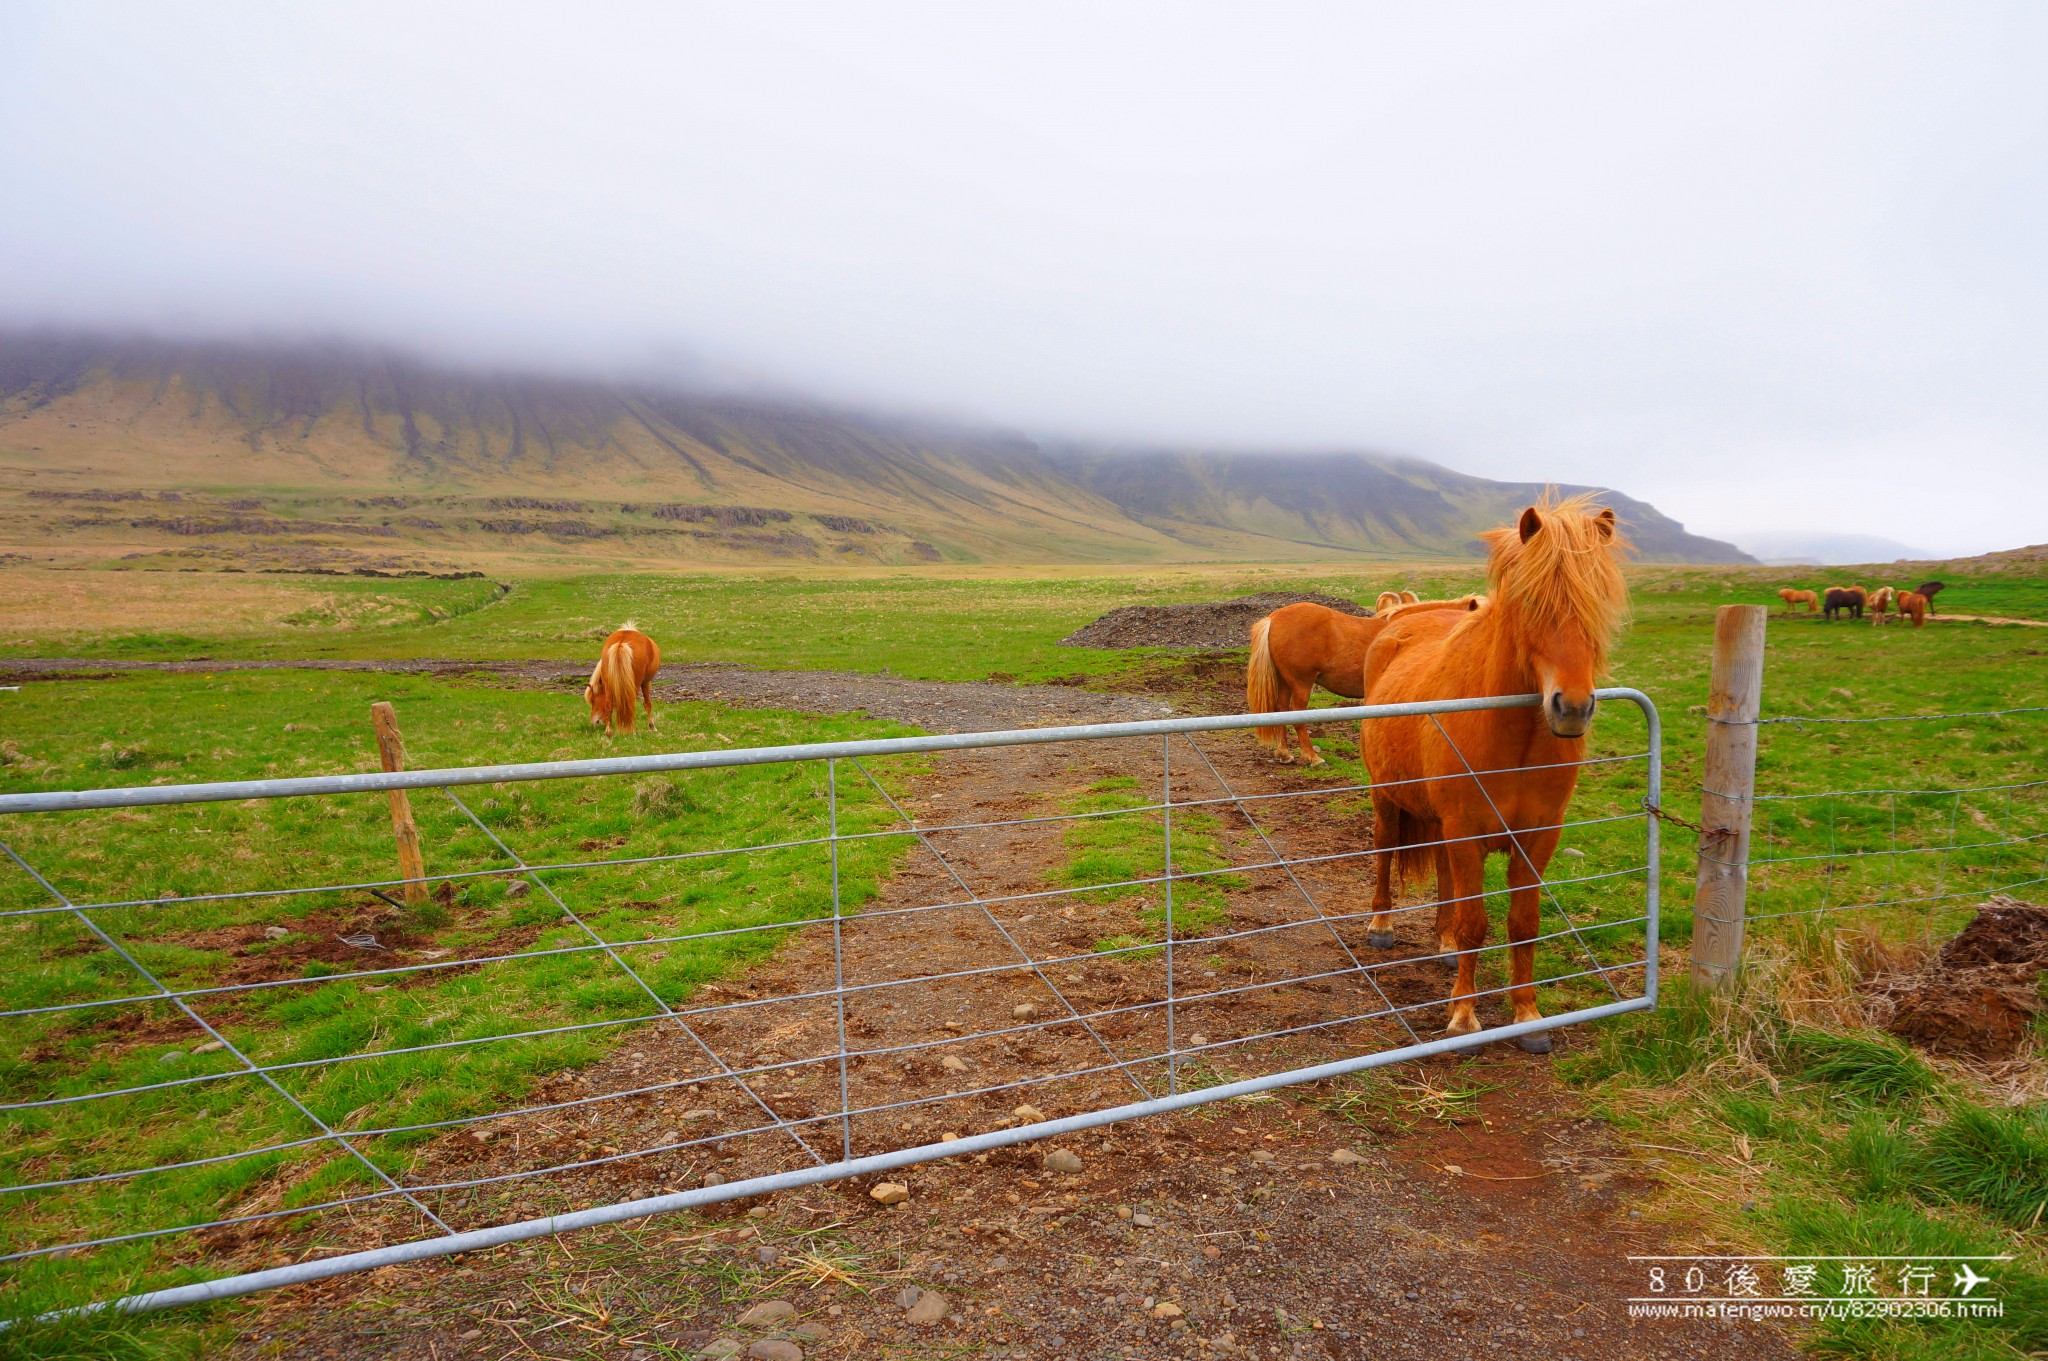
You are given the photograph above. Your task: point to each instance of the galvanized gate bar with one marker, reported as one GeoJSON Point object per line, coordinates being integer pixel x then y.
{"type": "Point", "coordinates": [143, 796]}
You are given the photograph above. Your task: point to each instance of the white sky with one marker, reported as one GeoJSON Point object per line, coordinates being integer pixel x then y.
{"type": "Point", "coordinates": [1780, 267]}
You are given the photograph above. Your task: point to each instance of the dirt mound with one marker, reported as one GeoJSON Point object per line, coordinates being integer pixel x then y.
{"type": "Point", "coordinates": [1981, 993]}
{"type": "Point", "coordinates": [1220, 624]}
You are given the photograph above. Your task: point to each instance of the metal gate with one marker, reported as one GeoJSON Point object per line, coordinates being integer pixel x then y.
{"type": "Point", "coordinates": [1245, 967]}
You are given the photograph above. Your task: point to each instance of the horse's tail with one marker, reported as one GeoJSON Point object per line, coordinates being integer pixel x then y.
{"type": "Point", "coordinates": [1262, 683]}
{"type": "Point", "coordinates": [1414, 849]}
{"type": "Point", "coordinates": [619, 687]}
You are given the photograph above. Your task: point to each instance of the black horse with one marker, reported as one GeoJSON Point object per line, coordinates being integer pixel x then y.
{"type": "Point", "coordinates": [1930, 589]}
{"type": "Point", "coordinates": [1838, 598]}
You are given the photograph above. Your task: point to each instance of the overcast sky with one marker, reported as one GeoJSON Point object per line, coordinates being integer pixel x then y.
{"type": "Point", "coordinates": [1777, 268]}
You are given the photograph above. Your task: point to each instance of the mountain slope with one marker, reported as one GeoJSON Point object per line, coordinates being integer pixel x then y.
{"type": "Point", "coordinates": [323, 433]}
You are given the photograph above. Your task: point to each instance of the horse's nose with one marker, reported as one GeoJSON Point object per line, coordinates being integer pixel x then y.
{"type": "Point", "coordinates": [1568, 718]}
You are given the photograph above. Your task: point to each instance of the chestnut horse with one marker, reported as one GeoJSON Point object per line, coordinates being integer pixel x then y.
{"type": "Point", "coordinates": [1915, 606]}
{"type": "Point", "coordinates": [1556, 599]}
{"type": "Point", "coordinates": [1394, 600]}
{"type": "Point", "coordinates": [1794, 599]}
{"type": "Point", "coordinates": [1298, 647]}
{"type": "Point", "coordinates": [1880, 603]}
{"type": "Point", "coordinates": [625, 670]}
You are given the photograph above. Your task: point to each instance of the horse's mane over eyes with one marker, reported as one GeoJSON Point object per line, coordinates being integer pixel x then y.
{"type": "Point", "coordinates": [1567, 573]}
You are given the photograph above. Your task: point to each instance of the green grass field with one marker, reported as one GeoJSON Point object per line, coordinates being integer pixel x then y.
{"type": "Point", "coordinates": [1821, 1167]}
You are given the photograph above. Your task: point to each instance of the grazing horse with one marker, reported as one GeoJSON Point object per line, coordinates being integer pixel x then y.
{"type": "Point", "coordinates": [1915, 606]}
{"type": "Point", "coordinates": [1556, 598]}
{"type": "Point", "coordinates": [1842, 598]}
{"type": "Point", "coordinates": [1793, 599]}
{"type": "Point", "coordinates": [1927, 590]}
{"type": "Point", "coordinates": [624, 671]}
{"type": "Point", "coordinates": [1298, 647]}
{"type": "Point", "coordinates": [1881, 603]}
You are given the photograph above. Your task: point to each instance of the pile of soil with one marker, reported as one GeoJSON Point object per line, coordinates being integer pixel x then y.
{"type": "Point", "coordinates": [1980, 995]}
{"type": "Point", "coordinates": [1202, 625]}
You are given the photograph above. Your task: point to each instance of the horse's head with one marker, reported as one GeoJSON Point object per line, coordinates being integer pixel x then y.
{"type": "Point", "coordinates": [1557, 583]}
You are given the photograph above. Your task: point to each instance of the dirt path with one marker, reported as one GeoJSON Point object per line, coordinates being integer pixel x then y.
{"type": "Point", "coordinates": [1477, 1208]}
{"type": "Point", "coordinates": [935, 706]}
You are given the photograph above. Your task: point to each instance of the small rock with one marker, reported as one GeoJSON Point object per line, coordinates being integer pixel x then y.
{"type": "Point", "coordinates": [954, 1064]}
{"type": "Point", "coordinates": [999, 1263]}
{"type": "Point", "coordinates": [767, 1256]}
{"type": "Point", "coordinates": [713, 1179]}
{"type": "Point", "coordinates": [1143, 1220]}
{"type": "Point", "coordinates": [1028, 1113]}
{"type": "Point", "coordinates": [171, 1057]}
{"type": "Point", "coordinates": [1123, 1212]}
{"type": "Point", "coordinates": [775, 1349]}
{"type": "Point", "coordinates": [519, 888]}
{"type": "Point", "coordinates": [1260, 1155]}
{"type": "Point", "coordinates": [1575, 853]}
{"type": "Point", "coordinates": [1212, 1252]}
{"type": "Point", "coordinates": [1345, 1155]}
{"type": "Point", "coordinates": [890, 1192]}
{"type": "Point", "coordinates": [1167, 1309]}
{"type": "Point", "coordinates": [1410, 1295]}
{"type": "Point", "coordinates": [931, 1306]}
{"type": "Point", "coordinates": [1060, 1160]}
{"type": "Point", "coordinates": [1840, 693]}
{"type": "Point", "coordinates": [908, 1296]}
{"type": "Point", "coordinates": [473, 1332]}
{"type": "Point", "coordinates": [210, 1047]}
{"type": "Point", "coordinates": [767, 1312]}
{"type": "Point", "coordinates": [811, 1332]}
{"type": "Point", "coordinates": [1197, 1041]}
{"type": "Point", "coordinates": [1024, 1011]}
{"type": "Point", "coordinates": [722, 1349]}
{"type": "Point", "coordinates": [275, 932]}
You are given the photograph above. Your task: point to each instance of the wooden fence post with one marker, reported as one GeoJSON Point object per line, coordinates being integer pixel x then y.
{"type": "Point", "coordinates": [1727, 783]}
{"type": "Point", "coordinates": [391, 751]}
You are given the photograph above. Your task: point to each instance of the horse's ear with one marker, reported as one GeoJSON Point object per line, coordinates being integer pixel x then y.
{"type": "Point", "coordinates": [1531, 522]}
{"type": "Point", "coordinates": [1604, 523]}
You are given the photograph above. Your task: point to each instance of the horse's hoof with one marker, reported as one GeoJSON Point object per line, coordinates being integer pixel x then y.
{"type": "Point", "coordinates": [1380, 940]}
{"type": "Point", "coordinates": [1534, 1044]}
{"type": "Point", "coordinates": [1470, 1026]}
{"type": "Point", "coordinates": [1317, 761]}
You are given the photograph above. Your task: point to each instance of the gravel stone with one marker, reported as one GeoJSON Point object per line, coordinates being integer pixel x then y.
{"type": "Point", "coordinates": [767, 1312]}
{"type": "Point", "coordinates": [1060, 1160]}
{"type": "Point", "coordinates": [890, 1192]}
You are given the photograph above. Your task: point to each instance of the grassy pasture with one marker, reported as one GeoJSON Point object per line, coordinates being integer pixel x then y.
{"type": "Point", "coordinates": [1826, 1158]}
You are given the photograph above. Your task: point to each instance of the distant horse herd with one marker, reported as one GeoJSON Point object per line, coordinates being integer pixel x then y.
{"type": "Point", "coordinates": [1554, 598]}
{"type": "Point", "coordinates": [1851, 601]}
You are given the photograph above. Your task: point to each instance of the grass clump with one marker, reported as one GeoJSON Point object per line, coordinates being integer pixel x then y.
{"type": "Point", "coordinates": [1996, 1160]}
{"type": "Point", "coordinates": [1869, 1068]}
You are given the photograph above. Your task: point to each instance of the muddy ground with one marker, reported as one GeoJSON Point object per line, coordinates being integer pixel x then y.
{"type": "Point", "coordinates": [1459, 1207]}
{"type": "Point", "coordinates": [1221, 624]}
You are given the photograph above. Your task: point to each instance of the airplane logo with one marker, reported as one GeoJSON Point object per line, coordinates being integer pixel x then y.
{"type": "Point", "coordinates": [1970, 1280]}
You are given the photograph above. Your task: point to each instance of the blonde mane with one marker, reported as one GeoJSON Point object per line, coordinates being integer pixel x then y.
{"type": "Point", "coordinates": [1568, 572]}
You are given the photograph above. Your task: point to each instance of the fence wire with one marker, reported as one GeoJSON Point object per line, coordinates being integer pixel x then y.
{"type": "Point", "coordinates": [891, 988]}
{"type": "Point", "coordinates": [1877, 847]}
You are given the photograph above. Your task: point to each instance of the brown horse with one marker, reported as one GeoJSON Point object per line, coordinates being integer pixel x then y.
{"type": "Point", "coordinates": [1880, 603]}
{"type": "Point", "coordinates": [1298, 647]}
{"type": "Point", "coordinates": [1914, 606]}
{"type": "Point", "coordinates": [1557, 598]}
{"type": "Point", "coordinates": [1793, 599]}
{"type": "Point", "coordinates": [1927, 590]}
{"type": "Point", "coordinates": [1847, 599]}
{"type": "Point", "coordinates": [625, 670]}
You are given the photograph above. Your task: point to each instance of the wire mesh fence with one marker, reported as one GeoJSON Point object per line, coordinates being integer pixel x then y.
{"type": "Point", "coordinates": [644, 984]}
{"type": "Point", "coordinates": [1918, 849]}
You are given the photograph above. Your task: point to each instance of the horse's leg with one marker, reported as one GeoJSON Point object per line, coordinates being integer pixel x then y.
{"type": "Point", "coordinates": [1468, 930]}
{"type": "Point", "coordinates": [1443, 904]}
{"type": "Point", "coordinates": [1525, 901]}
{"type": "Point", "coordinates": [647, 697]}
{"type": "Point", "coordinates": [1308, 748]}
{"type": "Point", "coordinates": [1386, 821]}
